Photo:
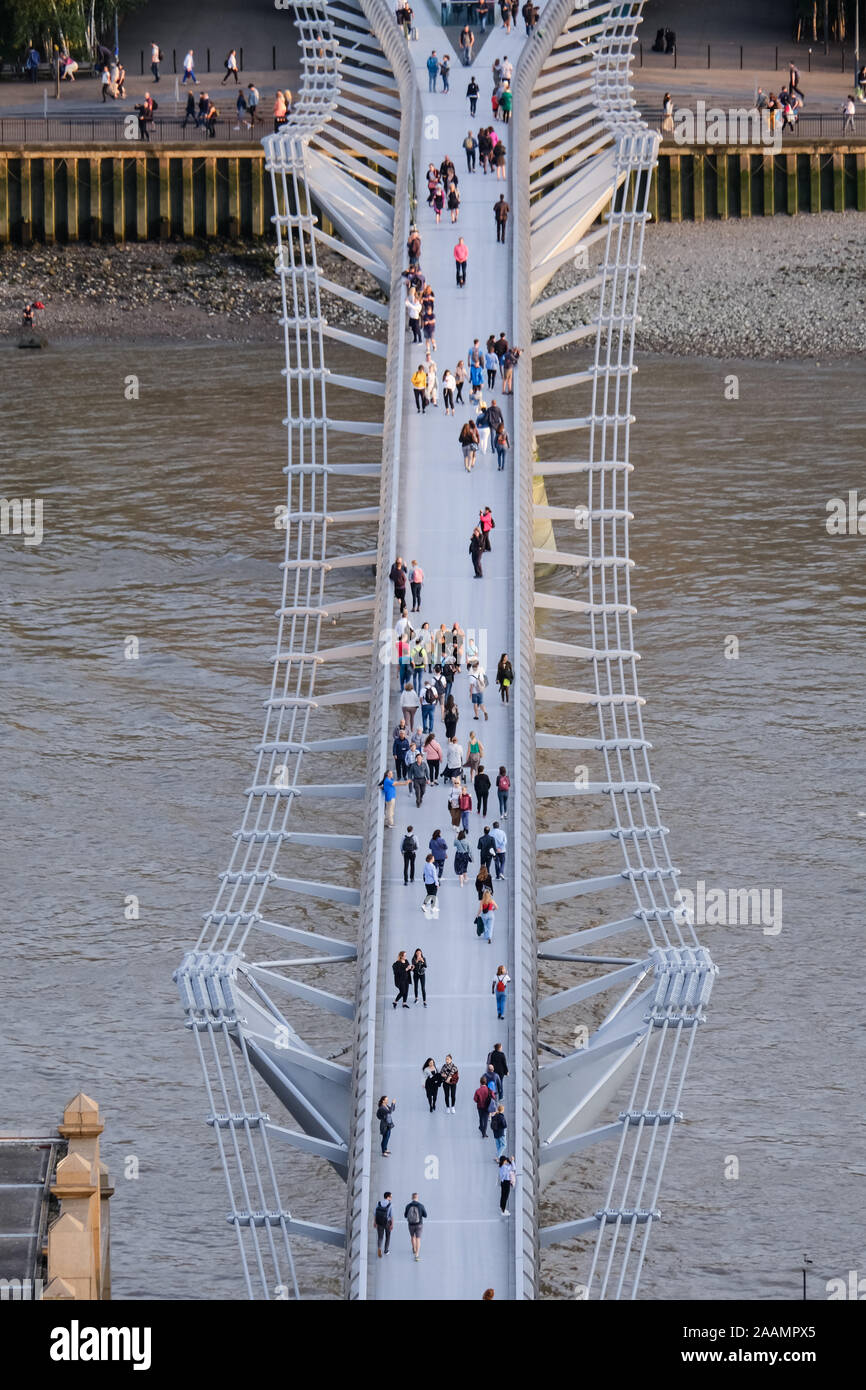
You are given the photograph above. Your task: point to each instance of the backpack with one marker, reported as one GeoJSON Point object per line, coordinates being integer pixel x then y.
{"type": "Point", "coordinates": [499, 984]}
{"type": "Point", "coordinates": [504, 784]}
{"type": "Point", "coordinates": [430, 696]}
{"type": "Point", "coordinates": [413, 1214]}
{"type": "Point", "coordinates": [380, 1215]}
{"type": "Point", "coordinates": [419, 658]}
{"type": "Point", "coordinates": [409, 844]}
{"type": "Point", "coordinates": [481, 680]}
{"type": "Point", "coordinates": [161, 55]}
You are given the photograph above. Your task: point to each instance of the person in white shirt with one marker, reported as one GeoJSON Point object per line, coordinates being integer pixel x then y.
{"type": "Point", "coordinates": [454, 760]}
{"type": "Point", "coordinates": [154, 61]}
{"type": "Point", "coordinates": [477, 681]}
{"type": "Point", "coordinates": [410, 704]}
{"type": "Point", "coordinates": [189, 69]}
{"type": "Point", "coordinates": [500, 842]}
{"type": "Point", "coordinates": [231, 68]}
{"type": "Point", "coordinates": [507, 69]}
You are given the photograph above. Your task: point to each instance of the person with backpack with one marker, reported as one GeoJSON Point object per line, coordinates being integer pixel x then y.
{"type": "Point", "coordinates": [482, 1105]}
{"type": "Point", "coordinates": [462, 857]}
{"type": "Point", "coordinates": [498, 1128]}
{"type": "Point", "coordinates": [450, 1076]}
{"type": "Point", "coordinates": [402, 972]}
{"type": "Point", "coordinates": [503, 787]}
{"type": "Point", "coordinates": [472, 92]}
{"type": "Point", "coordinates": [499, 990]}
{"type": "Point", "coordinates": [416, 1215]}
{"type": "Point", "coordinates": [409, 848]}
{"type": "Point", "coordinates": [383, 1224]}
{"type": "Point", "coordinates": [470, 145]}
{"type": "Point", "coordinates": [429, 906]}
{"type": "Point", "coordinates": [419, 975]}
{"type": "Point", "coordinates": [384, 1111]}
{"type": "Point", "coordinates": [231, 67]}
{"type": "Point", "coordinates": [477, 684]}
{"type": "Point", "coordinates": [418, 662]}
{"type": "Point", "coordinates": [465, 805]}
{"type": "Point", "coordinates": [430, 698]}
{"type": "Point", "coordinates": [497, 1060]}
{"type": "Point", "coordinates": [432, 1082]}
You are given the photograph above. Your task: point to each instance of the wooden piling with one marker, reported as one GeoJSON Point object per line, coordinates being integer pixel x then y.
{"type": "Point", "coordinates": [48, 203]}
{"type": "Point", "coordinates": [187, 205]}
{"type": "Point", "coordinates": [814, 183]}
{"type": "Point", "coordinates": [793, 203]}
{"type": "Point", "coordinates": [676, 188]}
{"type": "Point", "coordinates": [26, 203]}
{"type": "Point", "coordinates": [117, 208]}
{"type": "Point", "coordinates": [838, 181]}
{"type": "Point", "coordinates": [699, 159]}
{"type": "Point", "coordinates": [722, 184]}
{"type": "Point", "coordinates": [72, 199]}
{"type": "Point", "coordinates": [5, 228]}
{"type": "Point", "coordinates": [257, 182]}
{"type": "Point", "coordinates": [860, 176]}
{"type": "Point", "coordinates": [745, 185]}
{"type": "Point", "coordinates": [95, 199]}
{"type": "Point", "coordinates": [210, 198]}
{"type": "Point", "coordinates": [141, 200]}
{"type": "Point", "coordinates": [164, 197]}
{"type": "Point", "coordinates": [234, 179]}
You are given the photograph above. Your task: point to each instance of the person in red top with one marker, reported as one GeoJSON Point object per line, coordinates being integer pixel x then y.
{"type": "Point", "coordinates": [461, 255]}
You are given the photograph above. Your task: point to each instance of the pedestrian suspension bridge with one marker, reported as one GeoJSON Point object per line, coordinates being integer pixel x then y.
{"type": "Point", "coordinates": [287, 992]}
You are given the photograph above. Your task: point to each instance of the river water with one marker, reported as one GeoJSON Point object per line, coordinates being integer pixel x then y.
{"type": "Point", "coordinates": [124, 777]}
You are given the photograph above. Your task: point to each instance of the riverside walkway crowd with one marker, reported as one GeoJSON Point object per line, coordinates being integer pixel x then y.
{"type": "Point", "coordinates": [443, 685]}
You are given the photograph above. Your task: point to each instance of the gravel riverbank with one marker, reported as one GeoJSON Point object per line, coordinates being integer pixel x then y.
{"type": "Point", "coordinates": [774, 288]}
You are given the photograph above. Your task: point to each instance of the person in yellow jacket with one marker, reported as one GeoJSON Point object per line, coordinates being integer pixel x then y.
{"type": "Point", "coordinates": [419, 386]}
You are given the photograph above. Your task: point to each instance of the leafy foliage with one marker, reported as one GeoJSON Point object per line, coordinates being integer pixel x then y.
{"type": "Point", "coordinates": [74, 25]}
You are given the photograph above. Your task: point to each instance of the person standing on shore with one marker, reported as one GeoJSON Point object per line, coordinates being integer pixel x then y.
{"type": "Point", "coordinates": [189, 69]}
{"type": "Point", "coordinates": [415, 1214]}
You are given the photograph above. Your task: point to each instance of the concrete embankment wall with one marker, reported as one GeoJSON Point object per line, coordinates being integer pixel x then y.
{"type": "Point", "coordinates": [49, 193]}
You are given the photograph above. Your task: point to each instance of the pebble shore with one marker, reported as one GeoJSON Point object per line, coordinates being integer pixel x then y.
{"type": "Point", "coordinates": [777, 288]}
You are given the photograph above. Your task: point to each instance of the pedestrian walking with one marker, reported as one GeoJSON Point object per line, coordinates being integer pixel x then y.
{"type": "Point", "coordinates": [450, 1077]}
{"type": "Point", "coordinates": [503, 787]}
{"type": "Point", "coordinates": [504, 677]}
{"type": "Point", "coordinates": [242, 110]}
{"type": "Point", "coordinates": [418, 779]}
{"type": "Point", "coordinates": [383, 1224]}
{"type": "Point", "coordinates": [500, 841]}
{"type": "Point", "coordinates": [477, 684]}
{"type": "Point", "coordinates": [430, 906]}
{"type": "Point", "coordinates": [452, 715]}
{"type": "Point", "coordinates": [413, 311]}
{"type": "Point", "coordinates": [384, 1111]}
{"type": "Point", "coordinates": [231, 67]}
{"type": "Point", "coordinates": [419, 386]}
{"type": "Point", "coordinates": [476, 550]}
{"type": "Point", "coordinates": [493, 1082]}
{"type": "Point", "coordinates": [464, 803]}
{"type": "Point", "coordinates": [433, 754]}
{"type": "Point", "coordinates": [470, 145]}
{"type": "Point", "coordinates": [498, 1128]}
{"type": "Point", "coordinates": [487, 913]}
{"type": "Point", "coordinates": [482, 880]}
{"type": "Point", "coordinates": [416, 579]}
{"type": "Point", "coordinates": [428, 318]}
{"type": "Point", "coordinates": [509, 362]}
{"type": "Point", "coordinates": [415, 1214]}
{"type": "Point", "coordinates": [494, 415]}
{"type": "Point", "coordinates": [413, 247]}
{"type": "Point", "coordinates": [849, 109]}
{"type": "Point", "coordinates": [400, 753]}
{"type": "Point", "coordinates": [453, 760]}
{"type": "Point", "coordinates": [189, 69]}
{"type": "Point", "coordinates": [155, 60]}
{"type": "Point", "coordinates": [474, 753]}
{"type": "Point", "coordinates": [461, 255]}
{"type": "Point", "coordinates": [398, 575]}
{"type": "Point", "coordinates": [419, 975]}
{"type": "Point", "coordinates": [500, 444]}
{"type": "Point", "coordinates": [409, 848]}
{"type": "Point", "coordinates": [105, 84]}
{"type": "Point", "coordinates": [491, 366]}
{"type": "Point", "coordinates": [389, 793]}
{"type": "Point", "coordinates": [253, 100]}
{"type": "Point", "coordinates": [472, 92]}
{"type": "Point", "coordinates": [432, 1082]}
{"type": "Point", "coordinates": [462, 857]}
{"type": "Point", "coordinates": [454, 794]}
{"type": "Point", "coordinates": [460, 377]}
{"type": "Point", "coordinates": [500, 212]}
{"type": "Point", "coordinates": [499, 990]}
{"type": "Point", "coordinates": [467, 43]}
{"type": "Point", "coordinates": [445, 72]}
{"type": "Point", "coordinates": [448, 387]}
{"type": "Point", "coordinates": [482, 1104]}
{"type": "Point", "coordinates": [410, 704]}
{"type": "Point", "coordinates": [432, 71]}
{"type": "Point", "coordinates": [210, 121]}
{"type": "Point", "coordinates": [482, 791]}
{"type": "Point", "coordinates": [505, 11]}
{"type": "Point", "coordinates": [453, 201]}
{"type": "Point", "coordinates": [402, 972]}
{"type": "Point", "coordinates": [497, 1059]}
{"type": "Point", "coordinates": [280, 114]}
{"type": "Point", "coordinates": [432, 379]}
{"type": "Point", "coordinates": [506, 102]}
{"type": "Point", "coordinates": [507, 1177]}
{"type": "Point", "coordinates": [439, 849]}
{"type": "Point", "coordinates": [429, 701]}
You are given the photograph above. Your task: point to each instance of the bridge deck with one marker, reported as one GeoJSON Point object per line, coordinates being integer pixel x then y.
{"type": "Point", "coordinates": [467, 1246]}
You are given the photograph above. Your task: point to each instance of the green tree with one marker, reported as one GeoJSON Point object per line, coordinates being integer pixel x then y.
{"type": "Point", "coordinates": [71, 24]}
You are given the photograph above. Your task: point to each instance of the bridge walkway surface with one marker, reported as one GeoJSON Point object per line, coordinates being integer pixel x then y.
{"type": "Point", "coordinates": [467, 1246]}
